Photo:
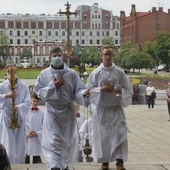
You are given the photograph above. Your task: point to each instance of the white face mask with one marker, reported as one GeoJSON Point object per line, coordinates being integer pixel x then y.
{"type": "Point", "coordinates": [57, 61]}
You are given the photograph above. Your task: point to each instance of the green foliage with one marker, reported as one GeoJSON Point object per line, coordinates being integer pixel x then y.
{"type": "Point", "coordinates": [108, 41]}
{"type": "Point", "coordinates": [4, 47]}
{"type": "Point", "coordinates": [26, 53]}
{"type": "Point", "coordinates": [92, 56]}
{"type": "Point", "coordinates": [134, 81]}
{"type": "Point", "coordinates": [162, 48]}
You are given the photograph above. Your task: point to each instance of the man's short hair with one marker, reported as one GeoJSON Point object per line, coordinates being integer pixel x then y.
{"type": "Point", "coordinates": [107, 47]}
{"type": "Point", "coordinates": [55, 50]}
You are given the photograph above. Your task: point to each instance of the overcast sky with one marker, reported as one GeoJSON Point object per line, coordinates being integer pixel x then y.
{"type": "Point", "coordinates": [53, 6]}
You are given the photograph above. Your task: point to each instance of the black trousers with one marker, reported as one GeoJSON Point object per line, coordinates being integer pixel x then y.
{"type": "Point", "coordinates": [36, 159]}
{"type": "Point", "coordinates": [150, 101]}
{"type": "Point", "coordinates": [168, 104]}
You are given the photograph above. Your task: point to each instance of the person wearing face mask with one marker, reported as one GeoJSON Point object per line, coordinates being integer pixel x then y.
{"type": "Point", "coordinates": [60, 87]}
{"type": "Point", "coordinates": [13, 139]}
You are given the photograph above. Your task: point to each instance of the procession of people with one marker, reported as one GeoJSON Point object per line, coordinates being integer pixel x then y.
{"type": "Point", "coordinates": [57, 131]}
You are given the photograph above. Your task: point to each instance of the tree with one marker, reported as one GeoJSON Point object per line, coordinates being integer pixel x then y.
{"type": "Point", "coordinates": [108, 41]}
{"type": "Point", "coordinates": [137, 59]}
{"type": "Point", "coordinates": [121, 56]}
{"type": "Point", "coordinates": [4, 47]}
{"type": "Point", "coordinates": [26, 53]}
{"type": "Point", "coordinates": [162, 48]}
{"type": "Point", "coordinates": [150, 49]}
{"type": "Point", "coordinates": [91, 56]}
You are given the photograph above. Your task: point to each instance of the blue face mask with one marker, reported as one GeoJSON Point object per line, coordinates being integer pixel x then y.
{"type": "Point", "coordinates": [57, 61]}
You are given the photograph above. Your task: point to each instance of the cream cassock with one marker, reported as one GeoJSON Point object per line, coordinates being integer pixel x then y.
{"type": "Point", "coordinates": [60, 135]}
{"type": "Point", "coordinates": [109, 123]}
{"type": "Point", "coordinates": [14, 140]}
{"type": "Point", "coordinates": [34, 122]}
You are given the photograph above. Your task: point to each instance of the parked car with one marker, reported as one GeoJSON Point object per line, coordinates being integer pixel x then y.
{"type": "Point", "coordinates": [161, 67]}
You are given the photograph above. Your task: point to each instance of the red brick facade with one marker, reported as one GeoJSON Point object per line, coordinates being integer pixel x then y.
{"type": "Point", "coordinates": [140, 27]}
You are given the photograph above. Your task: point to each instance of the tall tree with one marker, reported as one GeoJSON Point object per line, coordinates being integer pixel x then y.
{"type": "Point", "coordinates": [4, 47]}
{"type": "Point", "coordinates": [162, 48]}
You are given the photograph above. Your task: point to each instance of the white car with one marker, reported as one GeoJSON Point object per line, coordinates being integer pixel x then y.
{"type": "Point", "coordinates": [161, 67]}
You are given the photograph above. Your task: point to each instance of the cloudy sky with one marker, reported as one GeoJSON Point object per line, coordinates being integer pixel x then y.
{"type": "Point", "coordinates": [53, 6]}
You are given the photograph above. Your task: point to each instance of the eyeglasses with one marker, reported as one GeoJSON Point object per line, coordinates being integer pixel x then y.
{"type": "Point", "coordinates": [108, 54]}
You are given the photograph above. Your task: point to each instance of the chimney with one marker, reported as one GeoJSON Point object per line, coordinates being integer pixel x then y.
{"type": "Point", "coordinates": [153, 9]}
{"type": "Point", "coordinates": [161, 9]}
{"type": "Point", "coordinates": [168, 11]}
{"type": "Point", "coordinates": [122, 14]}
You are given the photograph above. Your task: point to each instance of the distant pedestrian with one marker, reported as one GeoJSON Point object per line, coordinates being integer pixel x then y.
{"type": "Point", "coordinates": [168, 98]}
{"type": "Point", "coordinates": [150, 89]}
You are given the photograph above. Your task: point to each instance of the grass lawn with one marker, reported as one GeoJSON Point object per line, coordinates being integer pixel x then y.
{"type": "Point", "coordinates": [23, 74]}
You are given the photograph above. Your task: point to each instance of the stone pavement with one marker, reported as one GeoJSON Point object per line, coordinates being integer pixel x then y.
{"type": "Point", "coordinates": [149, 141]}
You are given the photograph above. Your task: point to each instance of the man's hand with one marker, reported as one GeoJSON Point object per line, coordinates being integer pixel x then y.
{"type": "Point", "coordinates": [32, 134]}
{"type": "Point", "coordinates": [12, 95]}
{"type": "Point", "coordinates": [107, 88]}
{"type": "Point", "coordinates": [86, 93]}
{"type": "Point", "coordinates": [58, 82]}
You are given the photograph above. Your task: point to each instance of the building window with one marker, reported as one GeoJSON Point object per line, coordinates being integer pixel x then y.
{"type": "Point", "coordinates": [63, 33]}
{"type": "Point", "coordinates": [92, 16]}
{"type": "Point", "coordinates": [98, 42]}
{"type": "Point", "coordinates": [83, 42]}
{"type": "Point", "coordinates": [10, 33]}
{"type": "Point", "coordinates": [11, 41]}
{"type": "Point", "coordinates": [84, 16]}
{"type": "Point", "coordinates": [56, 33]}
{"type": "Point", "coordinates": [26, 33]}
{"type": "Point", "coordinates": [91, 41]}
{"type": "Point", "coordinates": [18, 33]}
{"type": "Point", "coordinates": [91, 33]}
{"type": "Point", "coordinates": [98, 33]}
{"type": "Point", "coordinates": [107, 25]}
{"type": "Point", "coordinates": [26, 41]}
{"type": "Point", "coordinates": [40, 33]}
{"type": "Point", "coordinates": [33, 25]}
{"type": "Point", "coordinates": [116, 41]}
{"type": "Point", "coordinates": [116, 33]}
{"type": "Point", "coordinates": [99, 26]}
{"type": "Point", "coordinates": [49, 33]}
{"type": "Point", "coordinates": [99, 16]}
{"type": "Point", "coordinates": [96, 26]}
{"type": "Point", "coordinates": [18, 25]}
{"type": "Point", "coordinates": [117, 24]}
{"type": "Point", "coordinates": [107, 33]}
{"type": "Point", "coordinates": [83, 33]}
{"type": "Point", "coordinates": [92, 25]}
{"type": "Point", "coordinates": [77, 41]}
{"type": "Point", "coordinates": [77, 33]}
{"type": "Point", "coordinates": [18, 41]}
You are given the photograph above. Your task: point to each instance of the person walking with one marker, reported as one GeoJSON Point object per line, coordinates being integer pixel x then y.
{"type": "Point", "coordinates": [168, 98]}
{"type": "Point", "coordinates": [33, 125]}
{"type": "Point", "coordinates": [110, 92]}
{"type": "Point", "coordinates": [60, 87]}
{"type": "Point", "coordinates": [15, 102]}
{"type": "Point", "coordinates": [150, 92]}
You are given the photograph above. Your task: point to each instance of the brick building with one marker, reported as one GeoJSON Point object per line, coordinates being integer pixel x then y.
{"type": "Point", "coordinates": [88, 28]}
{"type": "Point", "coordinates": [140, 27]}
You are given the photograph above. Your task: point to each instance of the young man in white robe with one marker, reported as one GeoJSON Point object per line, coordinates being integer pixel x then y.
{"type": "Point", "coordinates": [59, 87]}
{"type": "Point", "coordinates": [110, 92]}
{"type": "Point", "coordinates": [34, 124]}
{"type": "Point", "coordinates": [13, 139]}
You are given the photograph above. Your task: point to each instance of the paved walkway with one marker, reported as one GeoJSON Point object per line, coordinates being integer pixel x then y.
{"type": "Point", "coordinates": [149, 141]}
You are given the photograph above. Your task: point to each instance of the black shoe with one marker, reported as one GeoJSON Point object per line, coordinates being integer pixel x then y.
{"type": "Point", "coordinates": [55, 168]}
